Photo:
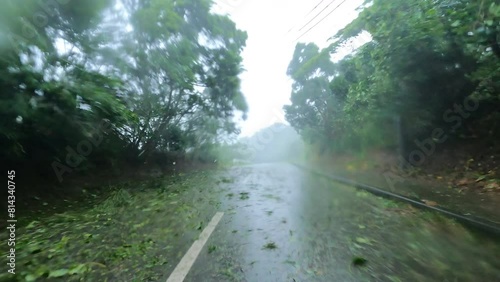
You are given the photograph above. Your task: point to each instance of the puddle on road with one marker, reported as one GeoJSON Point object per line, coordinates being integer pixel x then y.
{"type": "Point", "coordinates": [322, 231]}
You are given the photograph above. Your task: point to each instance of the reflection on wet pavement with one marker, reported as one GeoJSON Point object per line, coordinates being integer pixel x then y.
{"type": "Point", "coordinates": [283, 224]}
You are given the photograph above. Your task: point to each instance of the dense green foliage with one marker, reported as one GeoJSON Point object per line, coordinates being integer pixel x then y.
{"type": "Point", "coordinates": [96, 82]}
{"type": "Point", "coordinates": [430, 64]}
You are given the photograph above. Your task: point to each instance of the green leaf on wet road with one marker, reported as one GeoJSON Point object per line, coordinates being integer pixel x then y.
{"type": "Point", "coordinates": [359, 261]}
{"type": "Point", "coordinates": [212, 248]}
{"type": "Point", "coordinates": [30, 278]}
{"type": "Point", "coordinates": [270, 246]}
{"type": "Point", "coordinates": [199, 226]}
{"type": "Point", "coordinates": [227, 180]}
{"type": "Point", "coordinates": [413, 246]}
{"type": "Point", "coordinates": [363, 240]}
{"type": "Point", "coordinates": [244, 196]}
{"type": "Point", "coordinates": [32, 224]}
{"type": "Point", "coordinates": [78, 269]}
{"type": "Point", "coordinates": [58, 273]}
{"type": "Point", "coordinates": [362, 194]}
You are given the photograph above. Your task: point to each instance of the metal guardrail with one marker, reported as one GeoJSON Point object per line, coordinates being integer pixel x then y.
{"type": "Point", "coordinates": [479, 224]}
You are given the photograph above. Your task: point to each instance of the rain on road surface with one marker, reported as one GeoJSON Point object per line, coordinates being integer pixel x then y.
{"type": "Point", "coordinates": [284, 224]}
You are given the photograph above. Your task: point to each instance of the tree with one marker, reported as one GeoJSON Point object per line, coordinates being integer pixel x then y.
{"type": "Point", "coordinates": [183, 63]}
{"type": "Point", "coordinates": [424, 57]}
{"type": "Point", "coordinates": [163, 76]}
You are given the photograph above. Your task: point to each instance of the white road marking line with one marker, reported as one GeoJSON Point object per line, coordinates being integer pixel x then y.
{"type": "Point", "coordinates": [187, 261]}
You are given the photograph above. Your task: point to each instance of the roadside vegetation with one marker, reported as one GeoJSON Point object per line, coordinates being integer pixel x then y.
{"type": "Point", "coordinates": [419, 94]}
{"type": "Point", "coordinates": [139, 231]}
{"type": "Point", "coordinates": [115, 85]}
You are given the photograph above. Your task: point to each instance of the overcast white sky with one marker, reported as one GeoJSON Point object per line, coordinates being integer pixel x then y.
{"type": "Point", "coordinates": [270, 47]}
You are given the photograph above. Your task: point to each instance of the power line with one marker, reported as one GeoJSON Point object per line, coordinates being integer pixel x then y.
{"type": "Point", "coordinates": [314, 8]}
{"type": "Point", "coordinates": [317, 15]}
{"type": "Point", "coordinates": [307, 14]}
{"type": "Point", "coordinates": [334, 9]}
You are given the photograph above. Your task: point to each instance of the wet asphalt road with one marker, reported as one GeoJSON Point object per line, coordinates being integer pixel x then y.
{"type": "Point", "coordinates": [283, 224]}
